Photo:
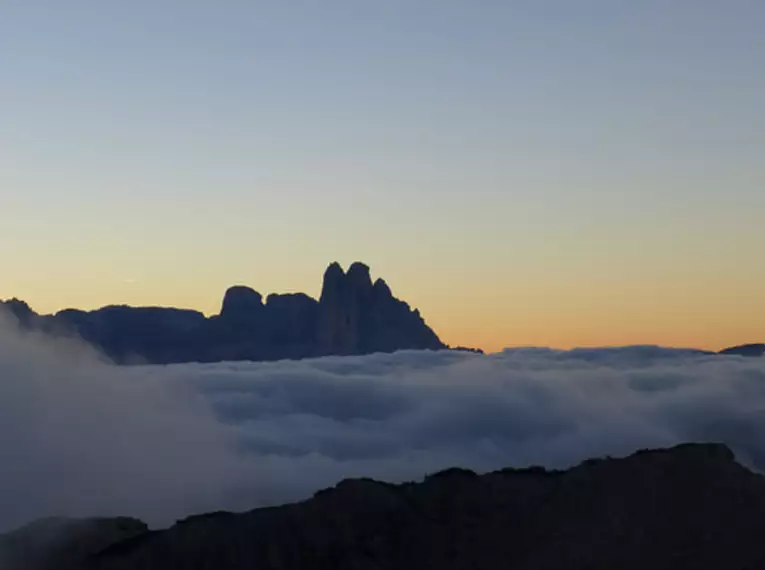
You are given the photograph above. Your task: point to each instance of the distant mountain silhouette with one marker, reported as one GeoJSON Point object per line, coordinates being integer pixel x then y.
{"type": "Point", "coordinates": [467, 349]}
{"type": "Point", "coordinates": [745, 350]}
{"type": "Point", "coordinates": [352, 316]}
{"type": "Point", "coordinates": [691, 506]}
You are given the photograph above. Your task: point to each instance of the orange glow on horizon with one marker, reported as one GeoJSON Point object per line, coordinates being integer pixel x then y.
{"type": "Point", "coordinates": [493, 322]}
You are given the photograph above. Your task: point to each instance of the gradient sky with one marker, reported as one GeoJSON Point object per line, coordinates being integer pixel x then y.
{"type": "Point", "coordinates": [560, 173]}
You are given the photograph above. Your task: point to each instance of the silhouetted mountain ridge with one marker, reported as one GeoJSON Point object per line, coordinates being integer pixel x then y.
{"type": "Point", "coordinates": [352, 316]}
{"type": "Point", "coordinates": [745, 350]}
{"type": "Point", "coordinates": [691, 506]}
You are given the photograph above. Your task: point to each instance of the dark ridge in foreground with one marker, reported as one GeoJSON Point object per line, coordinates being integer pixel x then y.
{"type": "Point", "coordinates": [353, 316]}
{"type": "Point", "coordinates": [691, 506]}
{"type": "Point", "coordinates": [63, 544]}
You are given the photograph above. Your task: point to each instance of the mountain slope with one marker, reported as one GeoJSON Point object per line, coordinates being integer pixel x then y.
{"type": "Point", "coordinates": [63, 544]}
{"type": "Point", "coordinates": [745, 350]}
{"type": "Point", "coordinates": [691, 506]}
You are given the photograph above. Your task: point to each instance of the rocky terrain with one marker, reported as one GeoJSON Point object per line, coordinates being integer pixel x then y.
{"type": "Point", "coordinates": [692, 506]}
{"type": "Point", "coordinates": [352, 316]}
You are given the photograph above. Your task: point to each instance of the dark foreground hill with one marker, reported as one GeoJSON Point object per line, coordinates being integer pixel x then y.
{"type": "Point", "coordinates": [63, 544]}
{"type": "Point", "coordinates": [689, 507]}
{"type": "Point", "coordinates": [352, 316]}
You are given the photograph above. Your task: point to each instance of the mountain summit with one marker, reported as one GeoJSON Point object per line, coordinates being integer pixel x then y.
{"type": "Point", "coordinates": [358, 317]}
{"type": "Point", "coordinates": [352, 316]}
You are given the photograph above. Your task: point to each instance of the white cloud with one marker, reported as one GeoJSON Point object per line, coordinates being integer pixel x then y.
{"type": "Point", "coordinates": [80, 437]}
{"type": "Point", "coordinates": [160, 442]}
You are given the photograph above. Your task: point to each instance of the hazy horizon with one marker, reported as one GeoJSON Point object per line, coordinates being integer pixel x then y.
{"type": "Point", "coordinates": [555, 174]}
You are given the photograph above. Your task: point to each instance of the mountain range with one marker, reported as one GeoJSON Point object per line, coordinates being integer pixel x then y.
{"type": "Point", "coordinates": [353, 316]}
{"type": "Point", "coordinates": [691, 506]}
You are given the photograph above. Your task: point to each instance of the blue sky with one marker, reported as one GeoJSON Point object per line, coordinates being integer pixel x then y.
{"type": "Point", "coordinates": [549, 172]}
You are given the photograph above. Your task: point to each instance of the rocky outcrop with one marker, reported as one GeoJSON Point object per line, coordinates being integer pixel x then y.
{"type": "Point", "coordinates": [468, 349]}
{"type": "Point", "coordinates": [353, 316]}
{"type": "Point", "coordinates": [136, 334]}
{"type": "Point", "coordinates": [336, 324]}
{"type": "Point", "coordinates": [691, 506]}
{"type": "Point", "coordinates": [358, 317]}
{"type": "Point", "coordinates": [21, 313]}
{"type": "Point", "coordinates": [243, 304]}
{"type": "Point", "coordinates": [293, 320]}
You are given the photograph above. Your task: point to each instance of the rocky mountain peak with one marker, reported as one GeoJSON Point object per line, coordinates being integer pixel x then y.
{"type": "Point", "coordinates": [240, 300]}
{"type": "Point", "coordinates": [20, 310]}
{"type": "Point", "coordinates": [381, 288]}
{"type": "Point", "coordinates": [358, 277]}
{"type": "Point", "coordinates": [334, 282]}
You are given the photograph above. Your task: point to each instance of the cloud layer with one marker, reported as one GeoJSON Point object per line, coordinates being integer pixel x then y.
{"type": "Point", "coordinates": [80, 437]}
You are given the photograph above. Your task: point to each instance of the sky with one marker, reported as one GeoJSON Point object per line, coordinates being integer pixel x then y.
{"type": "Point", "coordinates": [548, 173]}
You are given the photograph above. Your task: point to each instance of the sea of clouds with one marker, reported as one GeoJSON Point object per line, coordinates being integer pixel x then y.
{"type": "Point", "coordinates": [81, 437]}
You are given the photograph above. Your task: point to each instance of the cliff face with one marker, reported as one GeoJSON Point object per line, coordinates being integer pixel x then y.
{"type": "Point", "coordinates": [691, 506]}
{"type": "Point", "coordinates": [358, 317]}
{"type": "Point", "coordinates": [353, 316]}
